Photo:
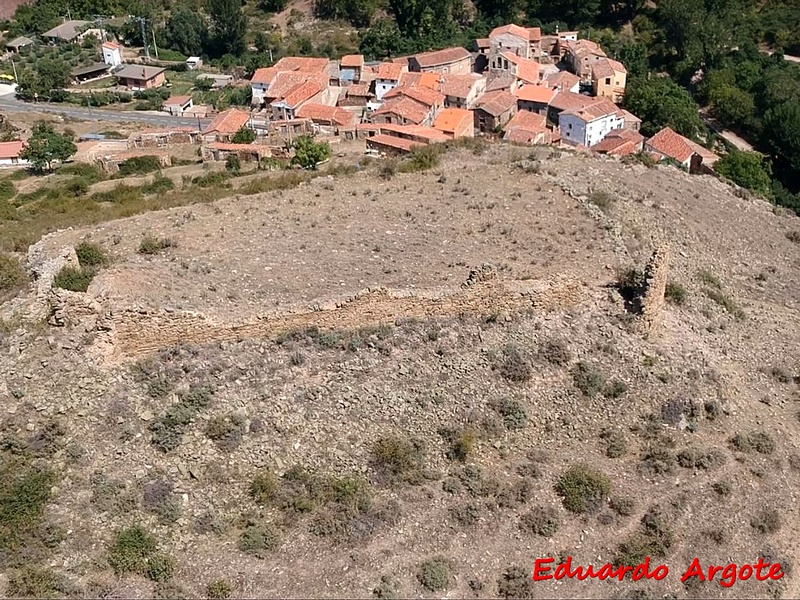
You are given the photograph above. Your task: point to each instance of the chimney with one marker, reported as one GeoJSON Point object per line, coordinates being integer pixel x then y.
{"type": "Point", "coordinates": [144, 73]}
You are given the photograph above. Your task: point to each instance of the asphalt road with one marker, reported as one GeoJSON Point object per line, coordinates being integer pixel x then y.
{"type": "Point", "coordinates": [9, 104]}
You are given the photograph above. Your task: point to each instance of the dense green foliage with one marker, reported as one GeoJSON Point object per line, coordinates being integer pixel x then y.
{"type": "Point", "coordinates": [46, 146]}
{"type": "Point", "coordinates": [307, 152]}
{"type": "Point", "coordinates": [746, 169]}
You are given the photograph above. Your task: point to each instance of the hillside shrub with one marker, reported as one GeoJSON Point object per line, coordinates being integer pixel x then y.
{"type": "Point", "coordinates": [514, 414]}
{"type": "Point", "coordinates": [74, 279]}
{"type": "Point", "coordinates": [159, 185]}
{"type": "Point", "coordinates": [159, 567]}
{"type": "Point", "coordinates": [25, 491]}
{"type": "Point", "coordinates": [653, 539]}
{"type": "Point", "coordinates": [168, 430]}
{"type": "Point", "coordinates": [213, 179]}
{"type": "Point", "coordinates": [398, 459]}
{"type": "Point", "coordinates": [793, 236]}
{"type": "Point", "coordinates": [754, 441]}
{"type": "Point", "coordinates": [422, 158]}
{"type": "Point", "coordinates": [139, 165]}
{"type": "Point", "coordinates": [12, 275]}
{"type": "Point", "coordinates": [130, 550]}
{"type": "Point", "coordinates": [264, 487]}
{"type": "Point", "coordinates": [726, 302]}
{"type": "Point", "coordinates": [7, 190]}
{"type": "Point", "coordinates": [226, 431]}
{"type": "Point", "coordinates": [387, 589]}
{"type": "Point", "coordinates": [616, 444]}
{"type": "Point", "coordinates": [555, 352]}
{"type": "Point", "coordinates": [259, 540]}
{"type": "Point", "coordinates": [602, 200]}
{"type": "Point", "coordinates": [583, 489]}
{"type": "Point", "coordinates": [157, 497]}
{"type": "Point", "coordinates": [515, 582]}
{"type": "Point", "coordinates": [588, 379]}
{"type": "Point", "coordinates": [623, 506]}
{"type": "Point", "coordinates": [90, 255]}
{"type": "Point", "coordinates": [692, 458]}
{"type": "Point", "coordinates": [37, 582]}
{"type": "Point", "coordinates": [542, 520]}
{"type": "Point", "coordinates": [514, 365]}
{"type": "Point", "coordinates": [219, 590]}
{"type": "Point", "coordinates": [675, 293]}
{"type": "Point", "coordinates": [435, 574]}
{"type": "Point", "coordinates": [150, 244]}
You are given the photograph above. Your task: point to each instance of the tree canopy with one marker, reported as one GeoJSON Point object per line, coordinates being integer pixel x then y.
{"type": "Point", "coordinates": [186, 32]}
{"type": "Point", "coordinates": [46, 146]}
{"type": "Point", "coordinates": [747, 169]}
{"type": "Point", "coordinates": [308, 152]}
{"type": "Point", "coordinates": [660, 102]}
{"type": "Point", "coordinates": [229, 26]}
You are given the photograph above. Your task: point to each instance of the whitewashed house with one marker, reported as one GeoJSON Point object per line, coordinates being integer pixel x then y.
{"type": "Point", "coordinates": [388, 78]}
{"type": "Point", "coordinates": [9, 154]}
{"type": "Point", "coordinates": [112, 54]}
{"type": "Point", "coordinates": [588, 125]}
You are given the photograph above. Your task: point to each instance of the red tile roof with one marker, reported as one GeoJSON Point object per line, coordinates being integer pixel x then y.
{"type": "Point", "coordinates": [112, 45]}
{"type": "Point", "coordinates": [496, 103]}
{"type": "Point", "coordinates": [390, 71]}
{"type": "Point", "coordinates": [607, 67]}
{"type": "Point", "coordinates": [264, 75]}
{"type": "Point", "coordinates": [286, 81]}
{"type": "Point", "coordinates": [441, 57]}
{"type": "Point", "coordinates": [428, 80]}
{"type": "Point", "coordinates": [458, 86]}
{"type": "Point", "coordinates": [526, 119]}
{"type": "Point", "coordinates": [428, 135]}
{"type": "Point", "coordinates": [352, 61]}
{"type": "Point", "coordinates": [570, 101]}
{"type": "Point", "coordinates": [511, 29]}
{"type": "Point", "coordinates": [299, 94]}
{"type": "Point", "coordinates": [303, 64]}
{"type": "Point", "coordinates": [451, 119]}
{"type": "Point", "coordinates": [358, 89]}
{"type": "Point", "coordinates": [563, 79]}
{"type": "Point", "coordinates": [671, 144]}
{"type": "Point", "coordinates": [423, 95]}
{"type": "Point", "coordinates": [392, 141]}
{"type": "Point", "coordinates": [177, 100]}
{"type": "Point", "coordinates": [619, 142]}
{"type": "Point", "coordinates": [11, 149]}
{"type": "Point", "coordinates": [406, 108]}
{"type": "Point", "coordinates": [500, 82]}
{"type": "Point", "coordinates": [598, 109]}
{"type": "Point", "coordinates": [535, 93]}
{"type": "Point", "coordinates": [230, 121]}
{"type": "Point", "coordinates": [324, 113]}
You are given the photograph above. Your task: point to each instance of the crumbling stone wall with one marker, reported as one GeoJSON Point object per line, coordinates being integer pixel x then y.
{"type": "Point", "coordinates": [655, 284]}
{"type": "Point", "coordinates": [129, 334]}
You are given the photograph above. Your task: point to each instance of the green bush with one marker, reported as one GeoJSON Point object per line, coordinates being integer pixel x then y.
{"type": "Point", "coordinates": [168, 429]}
{"type": "Point", "coordinates": [623, 506]}
{"type": "Point", "coordinates": [588, 379]}
{"type": "Point", "coordinates": [259, 540]}
{"type": "Point", "coordinates": [139, 165]}
{"type": "Point", "coordinates": [212, 179]}
{"type": "Point", "coordinates": [89, 173]}
{"type": "Point", "coordinates": [653, 539]}
{"type": "Point", "coordinates": [422, 158]}
{"type": "Point", "coordinates": [387, 589]}
{"type": "Point", "coordinates": [542, 520]}
{"type": "Point", "coordinates": [121, 194]}
{"type": "Point", "coordinates": [398, 458]}
{"type": "Point", "coordinates": [583, 489]}
{"type": "Point", "coordinates": [515, 582]}
{"type": "Point", "coordinates": [12, 275]}
{"type": "Point", "coordinates": [754, 441]}
{"type": "Point", "coordinates": [159, 185]}
{"type": "Point", "coordinates": [74, 279]}
{"type": "Point", "coordinates": [514, 414]}
{"type": "Point", "coordinates": [153, 245]}
{"type": "Point", "coordinates": [226, 431]}
{"type": "Point", "coordinates": [514, 365]}
{"type": "Point", "coordinates": [37, 582]}
{"type": "Point", "coordinates": [556, 352]}
{"type": "Point", "coordinates": [691, 458]}
{"type": "Point", "coordinates": [436, 574]}
{"type": "Point", "coordinates": [616, 444]}
{"type": "Point", "coordinates": [159, 567]}
{"type": "Point", "coordinates": [7, 190]}
{"type": "Point", "coordinates": [90, 255]}
{"type": "Point", "coordinates": [130, 550]}
{"type": "Point", "coordinates": [675, 293]}
{"type": "Point", "coordinates": [602, 200]}
{"type": "Point", "coordinates": [264, 487]}
{"type": "Point", "coordinates": [219, 590]}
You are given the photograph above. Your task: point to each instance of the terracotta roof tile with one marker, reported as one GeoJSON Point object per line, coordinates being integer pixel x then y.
{"type": "Point", "coordinates": [535, 93]}
{"type": "Point", "coordinates": [619, 142]}
{"type": "Point", "coordinates": [458, 86]}
{"type": "Point", "coordinates": [671, 144]}
{"type": "Point", "coordinates": [596, 110]}
{"type": "Point", "coordinates": [322, 112]}
{"type": "Point", "coordinates": [358, 89]}
{"type": "Point", "coordinates": [177, 100]}
{"type": "Point", "coordinates": [264, 75]}
{"type": "Point", "coordinates": [392, 141]}
{"type": "Point", "coordinates": [607, 68]}
{"type": "Point", "coordinates": [428, 80]}
{"type": "Point", "coordinates": [570, 101]}
{"type": "Point", "coordinates": [441, 57]}
{"type": "Point", "coordinates": [352, 61]}
{"type": "Point", "coordinates": [563, 79]}
{"type": "Point", "coordinates": [496, 103]}
{"type": "Point", "coordinates": [300, 93]}
{"type": "Point", "coordinates": [423, 95]}
{"type": "Point", "coordinates": [500, 82]}
{"type": "Point", "coordinates": [451, 119]}
{"type": "Point", "coordinates": [303, 64]}
{"type": "Point", "coordinates": [526, 119]}
{"type": "Point", "coordinates": [514, 30]}
{"type": "Point", "coordinates": [390, 71]}
{"type": "Point", "coordinates": [11, 149]}
{"type": "Point", "coordinates": [230, 121]}
{"type": "Point", "coordinates": [427, 134]}
{"type": "Point", "coordinates": [286, 81]}
{"type": "Point", "coordinates": [406, 108]}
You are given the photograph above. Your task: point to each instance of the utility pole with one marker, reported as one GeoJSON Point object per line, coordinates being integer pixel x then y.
{"type": "Point", "coordinates": [13, 66]}
{"type": "Point", "coordinates": [155, 47]}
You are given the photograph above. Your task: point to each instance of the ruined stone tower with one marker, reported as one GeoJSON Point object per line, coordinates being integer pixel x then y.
{"type": "Point", "coordinates": [654, 286]}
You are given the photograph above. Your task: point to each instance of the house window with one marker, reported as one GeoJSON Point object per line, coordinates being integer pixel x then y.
{"type": "Point", "coordinates": [608, 80]}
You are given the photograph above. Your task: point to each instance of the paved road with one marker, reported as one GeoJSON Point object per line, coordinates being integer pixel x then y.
{"type": "Point", "coordinates": [9, 104]}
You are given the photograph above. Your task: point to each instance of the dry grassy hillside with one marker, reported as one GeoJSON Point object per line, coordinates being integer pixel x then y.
{"type": "Point", "coordinates": [429, 440]}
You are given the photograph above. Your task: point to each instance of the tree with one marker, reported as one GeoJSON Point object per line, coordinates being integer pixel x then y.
{"type": "Point", "coordinates": [307, 152]}
{"type": "Point", "coordinates": [46, 146]}
{"type": "Point", "coordinates": [357, 12]}
{"type": "Point", "coordinates": [273, 6]}
{"type": "Point", "coordinates": [383, 40]}
{"type": "Point", "coordinates": [229, 26]}
{"type": "Point", "coordinates": [782, 133]}
{"type": "Point", "coordinates": [747, 169]}
{"type": "Point", "coordinates": [186, 32]}
{"type": "Point", "coordinates": [731, 106]}
{"type": "Point", "coordinates": [660, 102]}
{"type": "Point", "coordinates": [245, 135]}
